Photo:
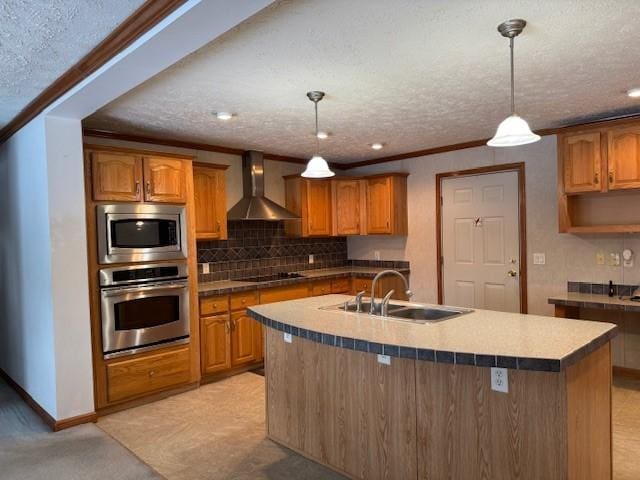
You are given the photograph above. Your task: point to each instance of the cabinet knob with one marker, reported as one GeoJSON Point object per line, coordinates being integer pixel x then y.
{"type": "Point", "coordinates": [611, 177]}
{"type": "Point", "coordinates": [596, 178]}
{"type": "Point", "coordinates": [152, 373]}
{"type": "Point", "coordinates": [243, 301]}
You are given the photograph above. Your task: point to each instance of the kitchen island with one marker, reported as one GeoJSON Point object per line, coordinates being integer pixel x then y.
{"type": "Point", "coordinates": [377, 398]}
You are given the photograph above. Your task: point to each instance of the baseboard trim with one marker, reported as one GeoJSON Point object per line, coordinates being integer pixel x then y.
{"type": "Point", "coordinates": [626, 372]}
{"type": "Point", "coordinates": [215, 377]}
{"type": "Point", "coordinates": [52, 423]}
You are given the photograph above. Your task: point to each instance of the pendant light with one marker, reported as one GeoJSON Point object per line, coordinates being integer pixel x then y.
{"type": "Point", "coordinates": [513, 130]}
{"type": "Point", "coordinates": [317, 166]}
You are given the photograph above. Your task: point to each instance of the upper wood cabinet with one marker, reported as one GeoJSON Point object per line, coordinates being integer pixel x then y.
{"type": "Point", "coordinates": [130, 176]}
{"type": "Point", "coordinates": [623, 158]}
{"type": "Point", "coordinates": [210, 201]}
{"type": "Point", "coordinates": [311, 199]}
{"type": "Point", "coordinates": [347, 201]}
{"type": "Point", "coordinates": [165, 180]}
{"type": "Point", "coordinates": [387, 204]}
{"type": "Point", "coordinates": [582, 162]}
{"type": "Point", "coordinates": [116, 176]}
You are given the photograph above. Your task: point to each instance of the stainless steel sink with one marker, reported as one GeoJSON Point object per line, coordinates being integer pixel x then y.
{"type": "Point", "coordinates": [408, 313]}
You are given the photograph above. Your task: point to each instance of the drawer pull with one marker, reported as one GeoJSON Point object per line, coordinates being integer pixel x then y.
{"type": "Point", "coordinates": [152, 373]}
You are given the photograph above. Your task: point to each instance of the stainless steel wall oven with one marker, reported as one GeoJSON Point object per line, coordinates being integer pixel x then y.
{"type": "Point", "coordinates": [143, 307]}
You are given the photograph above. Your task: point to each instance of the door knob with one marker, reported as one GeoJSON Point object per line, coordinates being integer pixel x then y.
{"type": "Point", "coordinates": [512, 273]}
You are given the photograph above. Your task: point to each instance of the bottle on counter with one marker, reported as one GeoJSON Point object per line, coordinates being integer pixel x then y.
{"type": "Point", "coordinates": [611, 289]}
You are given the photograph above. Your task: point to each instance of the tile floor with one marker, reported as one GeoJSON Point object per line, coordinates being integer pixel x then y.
{"type": "Point", "coordinates": [218, 433]}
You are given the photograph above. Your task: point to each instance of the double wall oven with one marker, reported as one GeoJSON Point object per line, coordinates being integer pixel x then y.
{"type": "Point", "coordinates": [143, 305]}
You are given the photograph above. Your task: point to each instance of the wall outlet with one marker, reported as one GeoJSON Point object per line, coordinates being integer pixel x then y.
{"type": "Point", "coordinates": [539, 259]}
{"type": "Point", "coordinates": [614, 259]}
{"type": "Point", "coordinates": [376, 254]}
{"type": "Point", "coordinates": [384, 359]}
{"type": "Point", "coordinates": [288, 338]}
{"type": "Point", "coordinates": [499, 380]}
{"type": "Point", "coordinates": [311, 260]}
{"type": "Point", "coordinates": [205, 268]}
{"type": "Point", "coordinates": [600, 258]}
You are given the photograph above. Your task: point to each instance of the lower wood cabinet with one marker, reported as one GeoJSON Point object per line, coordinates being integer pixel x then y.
{"type": "Point", "coordinates": [215, 340]}
{"type": "Point", "coordinates": [245, 340]}
{"type": "Point", "coordinates": [130, 378]}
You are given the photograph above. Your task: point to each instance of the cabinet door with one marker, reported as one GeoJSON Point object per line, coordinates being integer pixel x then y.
{"type": "Point", "coordinates": [210, 204]}
{"type": "Point", "coordinates": [244, 344]}
{"type": "Point", "coordinates": [116, 176]}
{"type": "Point", "coordinates": [164, 180]}
{"type": "Point", "coordinates": [379, 205]}
{"type": "Point", "coordinates": [624, 158]}
{"type": "Point", "coordinates": [318, 207]}
{"type": "Point", "coordinates": [346, 207]}
{"type": "Point", "coordinates": [215, 343]}
{"type": "Point", "coordinates": [582, 163]}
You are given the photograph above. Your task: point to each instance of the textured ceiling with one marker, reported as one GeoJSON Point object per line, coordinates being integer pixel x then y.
{"type": "Point", "coordinates": [41, 39]}
{"type": "Point", "coordinates": [411, 74]}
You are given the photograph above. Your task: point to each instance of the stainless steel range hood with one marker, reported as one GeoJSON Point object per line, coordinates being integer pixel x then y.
{"type": "Point", "coordinates": [254, 205]}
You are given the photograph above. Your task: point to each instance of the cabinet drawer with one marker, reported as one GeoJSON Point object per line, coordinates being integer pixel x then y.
{"type": "Point", "coordinates": [214, 305]}
{"type": "Point", "coordinates": [360, 284]}
{"type": "Point", "coordinates": [130, 378]}
{"type": "Point", "coordinates": [240, 301]}
{"type": "Point", "coordinates": [321, 288]}
{"type": "Point", "coordinates": [280, 294]}
{"type": "Point", "coordinates": [340, 285]}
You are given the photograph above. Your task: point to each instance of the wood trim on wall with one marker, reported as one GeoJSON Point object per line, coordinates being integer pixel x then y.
{"type": "Point", "coordinates": [139, 22]}
{"type": "Point", "coordinates": [207, 147]}
{"type": "Point", "coordinates": [51, 422]}
{"type": "Point", "coordinates": [522, 201]}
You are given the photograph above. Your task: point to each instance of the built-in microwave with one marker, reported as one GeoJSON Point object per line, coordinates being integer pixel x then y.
{"type": "Point", "coordinates": [141, 233]}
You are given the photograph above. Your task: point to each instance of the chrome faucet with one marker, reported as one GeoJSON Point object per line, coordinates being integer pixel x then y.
{"type": "Point", "coordinates": [358, 302]}
{"type": "Point", "coordinates": [383, 306]}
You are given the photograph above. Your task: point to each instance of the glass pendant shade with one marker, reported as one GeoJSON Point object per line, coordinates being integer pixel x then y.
{"type": "Point", "coordinates": [511, 132]}
{"type": "Point", "coordinates": [317, 168]}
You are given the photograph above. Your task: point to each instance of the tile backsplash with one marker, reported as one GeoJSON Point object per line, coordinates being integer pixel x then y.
{"type": "Point", "coordinates": [601, 288]}
{"type": "Point", "coordinates": [259, 248]}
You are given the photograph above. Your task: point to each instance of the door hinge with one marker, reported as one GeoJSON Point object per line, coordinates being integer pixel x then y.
{"type": "Point", "coordinates": [441, 200]}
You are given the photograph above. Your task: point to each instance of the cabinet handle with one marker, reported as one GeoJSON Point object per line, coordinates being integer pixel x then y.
{"type": "Point", "coordinates": [227, 326]}
{"type": "Point", "coordinates": [611, 179]}
{"type": "Point", "coordinates": [595, 178]}
{"type": "Point", "coordinates": [148, 187]}
{"type": "Point", "coordinates": [137, 187]}
{"type": "Point", "coordinates": [233, 324]}
{"type": "Point", "coordinates": [218, 226]}
{"type": "Point", "coordinates": [152, 373]}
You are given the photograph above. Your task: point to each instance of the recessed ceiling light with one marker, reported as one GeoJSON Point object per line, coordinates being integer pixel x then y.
{"type": "Point", "coordinates": [377, 146]}
{"type": "Point", "coordinates": [634, 93]}
{"type": "Point", "coordinates": [224, 115]}
{"type": "Point", "coordinates": [322, 135]}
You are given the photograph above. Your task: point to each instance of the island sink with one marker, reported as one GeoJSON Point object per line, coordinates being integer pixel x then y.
{"type": "Point", "coordinates": [406, 313]}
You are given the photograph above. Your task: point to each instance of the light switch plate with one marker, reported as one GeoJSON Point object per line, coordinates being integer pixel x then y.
{"type": "Point", "coordinates": [311, 259]}
{"type": "Point", "coordinates": [600, 258]}
{"type": "Point", "coordinates": [539, 259]}
{"type": "Point", "coordinates": [500, 380]}
{"type": "Point", "coordinates": [384, 359]}
{"type": "Point", "coordinates": [614, 259]}
{"type": "Point", "coordinates": [376, 254]}
{"type": "Point", "coordinates": [205, 268]}
{"type": "Point", "coordinates": [288, 338]}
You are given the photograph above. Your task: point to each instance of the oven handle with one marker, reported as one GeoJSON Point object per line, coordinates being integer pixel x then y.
{"type": "Point", "coordinates": [120, 291]}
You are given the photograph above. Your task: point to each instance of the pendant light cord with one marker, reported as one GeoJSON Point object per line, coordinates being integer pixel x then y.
{"type": "Point", "coordinates": [513, 102]}
{"type": "Point", "coordinates": [317, 139]}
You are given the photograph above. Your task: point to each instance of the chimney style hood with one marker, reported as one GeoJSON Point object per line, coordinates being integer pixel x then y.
{"type": "Point", "coordinates": [254, 205]}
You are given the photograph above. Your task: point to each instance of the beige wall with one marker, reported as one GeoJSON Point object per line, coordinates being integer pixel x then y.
{"type": "Point", "coordinates": [569, 257]}
{"type": "Point", "coordinates": [273, 171]}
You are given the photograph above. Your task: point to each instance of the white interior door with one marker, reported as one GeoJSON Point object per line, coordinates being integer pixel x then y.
{"type": "Point", "coordinates": [480, 241]}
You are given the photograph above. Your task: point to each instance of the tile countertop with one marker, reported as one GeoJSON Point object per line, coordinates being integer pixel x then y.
{"type": "Point", "coordinates": [230, 286]}
{"type": "Point", "coordinates": [602, 302]}
{"type": "Point", "coordinates": [482, 338]}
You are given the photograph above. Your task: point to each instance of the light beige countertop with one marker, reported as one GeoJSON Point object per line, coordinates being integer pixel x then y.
{"type": "Point", "coordinates": [481, 338]}
{"type": "Point", "coordinates": [230, 286]}
{"type": "Point", "coordinates": [587, 300]}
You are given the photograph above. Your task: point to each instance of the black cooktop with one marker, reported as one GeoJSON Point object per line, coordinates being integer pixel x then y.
{"type": "Point", "coordinates": [270, 278]}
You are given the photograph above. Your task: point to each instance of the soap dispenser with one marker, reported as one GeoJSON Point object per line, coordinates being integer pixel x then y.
{"type": "Point", "coordinates": [611, 289]}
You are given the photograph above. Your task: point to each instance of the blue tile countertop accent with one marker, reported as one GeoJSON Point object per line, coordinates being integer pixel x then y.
{"type": "Point", "coordinates": [482, 338]}
{"type": "Point", "coordinates": [223, 287]}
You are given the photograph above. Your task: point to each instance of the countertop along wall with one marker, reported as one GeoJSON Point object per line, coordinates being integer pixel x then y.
{"type": "Point", "coordinates": [568, 257]}
{"type": "Point", "coordinates": [273, 171]}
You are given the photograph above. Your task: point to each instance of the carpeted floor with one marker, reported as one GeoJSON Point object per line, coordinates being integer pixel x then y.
{"type": "Point", "coordinates": [30, 451]}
